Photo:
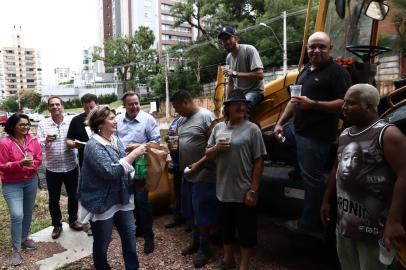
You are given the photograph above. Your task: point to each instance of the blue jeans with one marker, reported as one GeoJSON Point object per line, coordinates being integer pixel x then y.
{"type": "Point", "coordinates": [310, 158]}
{"type": "Point", "coordinates": [143, 213]}
{"type": "Point", "coordinates": [20, 198]}
{"type": "Point", "coordinates": [255, 98]}
{"type": "Point", "coordinates": [102, 229]}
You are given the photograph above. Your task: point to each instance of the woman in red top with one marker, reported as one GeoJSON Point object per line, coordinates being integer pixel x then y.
{"type": "Point", "coordinates": [20, 157]}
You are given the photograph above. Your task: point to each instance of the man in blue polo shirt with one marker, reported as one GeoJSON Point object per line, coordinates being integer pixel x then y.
{"type": "Point", "coordinates": [133, 128]}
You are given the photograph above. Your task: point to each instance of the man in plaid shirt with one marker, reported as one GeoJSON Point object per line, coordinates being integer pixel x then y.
{"type": "Point", "coordinates": [61, 165]}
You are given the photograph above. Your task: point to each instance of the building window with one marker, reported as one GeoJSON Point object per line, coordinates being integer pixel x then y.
{"type": "Point", "coordinates": [179, 29]}
{"type": "Point", "coordinates": [147, 14]}
{"type": "Point", "coordinates": [168, 18]}
{"type": "Point", "coordinates": [166, 7]}
{"type": "Point", "coordinates": [147, 3]}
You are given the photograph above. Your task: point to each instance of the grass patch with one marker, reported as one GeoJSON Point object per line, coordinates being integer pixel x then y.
{"type": "Point", "coordinates": [40, 218]}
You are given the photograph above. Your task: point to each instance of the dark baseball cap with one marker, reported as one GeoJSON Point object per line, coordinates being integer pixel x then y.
{"type": "Point", "coordinates": [226, 30]}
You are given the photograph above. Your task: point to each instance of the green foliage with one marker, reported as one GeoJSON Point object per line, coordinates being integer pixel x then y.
{"type": "Point", "coordinates": [399, 13]}
{"type": "Point", "coordinates": [10, 104]}
{"type": "Point", "coordinates": [42, 107]}
{"type": "Point", "coordinates": [106, 99]}
{"type": "Point", "coordinates": [72, 103]}
{"type": "Point", "coordinates": [28, 99]}
{"type": "Point", "coordinates": [132, 57]}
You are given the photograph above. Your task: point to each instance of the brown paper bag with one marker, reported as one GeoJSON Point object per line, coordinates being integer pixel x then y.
{"type": "Point", "coordinates": [157, 155]}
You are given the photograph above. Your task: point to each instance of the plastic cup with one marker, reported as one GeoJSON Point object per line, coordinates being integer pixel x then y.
{"type": "Point", "coordinates": [386, 257]}
{"type": "Point", "coordinates": [225, 135]}
{"type": "Point", "coordinates": [173, 139]}
{"type": "Point", "coordinates": [295, 90]}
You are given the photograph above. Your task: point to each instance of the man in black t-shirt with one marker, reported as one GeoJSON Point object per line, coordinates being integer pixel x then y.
{"type": "Point", "coordinates": [77, 134]}
{"type": "Point", "coordinates": [314, 127]}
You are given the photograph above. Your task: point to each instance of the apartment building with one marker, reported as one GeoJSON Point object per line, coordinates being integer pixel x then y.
{"type": "Point", "coordinates": [123, 17]}
{"type": "Point", "coordinates": [20, 68]}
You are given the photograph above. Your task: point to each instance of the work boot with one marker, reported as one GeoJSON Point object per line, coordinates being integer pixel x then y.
{"type": "Point", "coordinates": [201, 258]}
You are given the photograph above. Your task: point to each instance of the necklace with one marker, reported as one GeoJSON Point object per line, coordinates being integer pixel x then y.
{"type": "Point", "coordinates": [110, 140]}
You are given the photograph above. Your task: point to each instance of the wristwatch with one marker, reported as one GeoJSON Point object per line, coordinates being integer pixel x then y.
{"type": "Point", "coordinates": [234, 74]}
{"type": "Point", "coordinates": [253, 193]}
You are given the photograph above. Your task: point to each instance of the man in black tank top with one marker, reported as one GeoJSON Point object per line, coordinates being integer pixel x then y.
{"type": "Point", "coordinates": [369, 179]}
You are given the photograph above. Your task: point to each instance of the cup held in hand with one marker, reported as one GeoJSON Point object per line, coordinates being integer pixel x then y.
{"type": "Point", "coordinates": [386, 257]}
{"type": "Point", "coordinates": [295, 90]}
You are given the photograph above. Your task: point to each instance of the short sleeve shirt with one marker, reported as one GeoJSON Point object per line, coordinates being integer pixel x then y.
{"type": "Point", "coordinates": [326, 83]}
{"type": "Point", "coordinates": [192, 134]}
{"type": "Point", "coordinates": [77, 131]}
{"type": "Point", "coordinates": [235, 165]}
{"type": "Point", "coordinates": [246, 60]}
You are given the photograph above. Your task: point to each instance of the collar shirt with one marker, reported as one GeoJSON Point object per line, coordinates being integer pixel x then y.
{"type": "Point", "coordinates": [59, 158]}
{"type": "Point", "coordinates": [142, 129]}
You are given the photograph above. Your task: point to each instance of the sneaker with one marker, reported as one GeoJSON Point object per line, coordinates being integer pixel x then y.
{"type": "Point", "coordinates": [223, 266]}
{"type": "Point", "coordinates": [191, 249]}
{"type": "Point", "coordinates": [201, 258]}
{"type": "Point", "coordinates": [149, 246]}
{"type": "Point", "coordinates": [296, 226]}
{"type": "Point", "coordinates": [29, 244]}
{"type": "Point", "coordinates": [56, 232]}
{"type": "Point", "coordinates": [16, 258]}
{"type": "Point", "coordinates": [76, 225]}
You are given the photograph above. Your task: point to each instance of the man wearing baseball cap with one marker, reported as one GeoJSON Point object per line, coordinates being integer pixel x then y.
{"type": "Point", "coordinates": [245, 69]}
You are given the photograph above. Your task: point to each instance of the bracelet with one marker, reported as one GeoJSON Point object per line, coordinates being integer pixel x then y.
{"type": "Point", "coordinates": [316, 105]}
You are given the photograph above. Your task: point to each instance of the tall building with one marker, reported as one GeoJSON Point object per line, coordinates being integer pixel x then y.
{"type": "Point", "coordinates": [168, 34]}
{"type": "Point", "coordinates": [20, 68]}
{"type": "Point", "coordinates": [123, 17]}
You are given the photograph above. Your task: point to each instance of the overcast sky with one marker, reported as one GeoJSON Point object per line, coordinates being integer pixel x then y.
{"type": "Point", "coordinates": [59, 29]}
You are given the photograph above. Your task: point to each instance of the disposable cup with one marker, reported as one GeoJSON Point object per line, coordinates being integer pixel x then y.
{"type": "Point", "coordinates": [386, 257]}
{"type": "Point", "coordinates": [225, 67]}
{"type": "Point", "coordinates": [174, 141]}
{"type": "Point", "coordinates": [225, 135]}
{"type": "Point", "coordinates": [296, 90]}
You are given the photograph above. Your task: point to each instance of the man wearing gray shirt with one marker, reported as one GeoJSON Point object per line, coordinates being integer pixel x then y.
{"type": "Point", "coordinates": [246, 71]}
{"type": "Point", "coordinates": [198, 189]}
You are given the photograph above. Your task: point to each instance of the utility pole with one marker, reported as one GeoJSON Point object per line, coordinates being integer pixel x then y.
{"type": "Point", "coordinates": [285, 47]}
{"type": "Point", "coordinates": [166, 86]}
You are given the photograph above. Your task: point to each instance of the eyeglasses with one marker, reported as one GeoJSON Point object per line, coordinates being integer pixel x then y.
{"type": "Point", "coordinates": [24, 125]}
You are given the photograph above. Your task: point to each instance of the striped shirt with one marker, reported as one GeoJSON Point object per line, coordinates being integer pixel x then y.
{"type": "Point", "coordinates": [59, 158]}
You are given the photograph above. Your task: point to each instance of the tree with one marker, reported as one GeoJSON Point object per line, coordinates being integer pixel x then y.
{"type": "Point", "coordinates": [10, 104]}
{"type": "Point", "coordinates": [399, 10]}
{"type": "Point", "coordinates": [131, 56]}
{"type": "Point", "coordinates": [30, 99]}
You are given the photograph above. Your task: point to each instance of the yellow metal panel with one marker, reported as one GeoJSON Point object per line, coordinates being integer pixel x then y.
{"type": "Point", "coordinates": [321, 16]}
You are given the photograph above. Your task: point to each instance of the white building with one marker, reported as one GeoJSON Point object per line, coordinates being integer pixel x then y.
{"type": "Point", "coordinates": [20, 68]}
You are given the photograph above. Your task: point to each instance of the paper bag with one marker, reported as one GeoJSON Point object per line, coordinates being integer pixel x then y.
{"type": "Point", "coordinates": [157, 155]}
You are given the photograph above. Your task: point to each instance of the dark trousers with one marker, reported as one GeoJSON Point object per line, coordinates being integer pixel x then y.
{"type": "Point", "coordinates": [54, 183]}
{"type": "Point", "coordinates": [143, 212]}
{"type": "Point", "coordinates": [177, 183]}
{"type": "Point", "coordinates": [102, 229]}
